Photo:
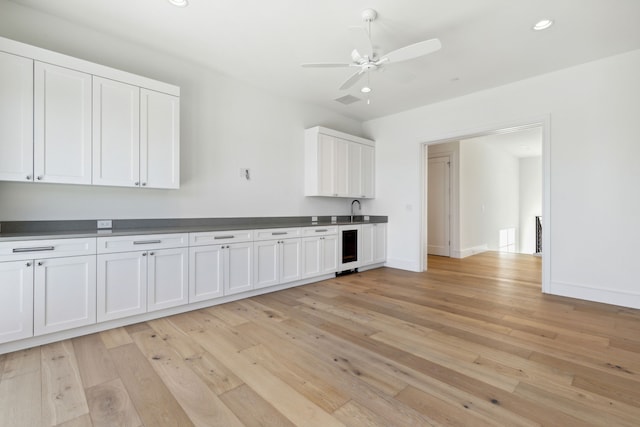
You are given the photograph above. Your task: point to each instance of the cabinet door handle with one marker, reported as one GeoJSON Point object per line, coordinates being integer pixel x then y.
{"type": "Point", "coordinates": [324, 230]}
{"type": "Point", "coordinates": [279, 233]}
{"type": "Point", "coordinates": [224, 237]}
{"type": "Point", "coordinates": [35, 249]}
{"type": "Point", "coordinates": [40, 263]}
{"type": "Point", "coordinates": [39, 177]}
{"type": "Point", "coordinates": [146, 242]}
{"type": "Point", "coordinates": [144, 254]}
{"type": "Point", "coordinates": [29, 177]}
{"type": "Point", "coordinates": [137, 183]}
{"type": "Point", "coordinates": [144, 184]}
{"type": "Point", "coordinates": [152, 253]}
{"type": "Point", "coordinates": [28, 264]}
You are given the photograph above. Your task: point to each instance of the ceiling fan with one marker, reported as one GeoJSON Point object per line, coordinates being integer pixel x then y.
{"type": "Point", "coordinates": [366, 60]}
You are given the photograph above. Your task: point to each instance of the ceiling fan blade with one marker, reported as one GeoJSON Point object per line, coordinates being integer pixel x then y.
{"type": "Point", "coordinates": [361, 40]}
{"type": "Point", "coordinates": [325, 65]}
{"type": "Point", "coordinates": [352, 80]}
{"type": "Point", "coordinates": [412, 51]}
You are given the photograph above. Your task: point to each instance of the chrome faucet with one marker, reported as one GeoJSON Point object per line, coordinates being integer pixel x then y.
{"type": "Point", "coordinates": [359, 207]}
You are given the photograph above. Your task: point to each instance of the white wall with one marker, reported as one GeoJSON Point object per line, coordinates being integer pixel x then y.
{"type": "Point", "coordinates": [488, 195]}
{"type": "Point", "coordinates": [226, 125]}
{"type": "Point", "coordinates": [530, 201]}
{"type": "Point", "coordinates": [594, 177]}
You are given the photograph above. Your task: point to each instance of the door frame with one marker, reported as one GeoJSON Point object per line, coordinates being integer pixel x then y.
{"type": "Point", "coordinates": [543, 122]}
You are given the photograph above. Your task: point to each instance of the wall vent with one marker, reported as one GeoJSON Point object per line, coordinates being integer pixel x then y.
{"type": "Point", "coordinates": [347, 99]}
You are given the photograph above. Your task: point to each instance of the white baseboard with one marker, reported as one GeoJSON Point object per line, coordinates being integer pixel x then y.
{"type": "Point", "coordinates": [591, 293]}
{"type": "Point", "coordinates": [469, 251]}
{"type": "Point", "coordinates": [403, 264]}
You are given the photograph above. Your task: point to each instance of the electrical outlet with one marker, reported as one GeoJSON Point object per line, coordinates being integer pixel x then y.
{"type": "Point", "coordinates": [104, 223]}
{"type": "Point", "coordinates": [334, 219]}
{"type": "Point", "coordinates": [366, 218]}
{"type": "Point", "coordinates": [314, 219]}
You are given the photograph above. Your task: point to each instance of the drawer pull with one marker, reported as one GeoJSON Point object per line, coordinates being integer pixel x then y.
{"type": "Point", "coordinates": [324, 230]}
{"type": "Point", "coordinates": [146, 242]}
{"type": "Point", "coordinates": [36, 249]}
{"type": "Point", "coordinates": [224, 237]}
{"type": "Point", "coordinates": [279, 233]}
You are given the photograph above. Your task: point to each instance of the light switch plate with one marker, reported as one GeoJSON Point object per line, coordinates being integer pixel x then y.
{"type": "Point", "coordinates": [104, 223]}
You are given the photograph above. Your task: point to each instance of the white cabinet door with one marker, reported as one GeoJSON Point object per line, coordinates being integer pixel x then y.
{"type": "Point", "coordinates": [16, 300]}
{"type": "Point", "coordinates": [367, 165]}
{"type": "Point", "coordinates": [266, 256]}
{"type": "Point", "coordinates": [342, 168]}
{"type": "Point", "coordinates": [206, 272]}
{"type": "Point", "coordinates": [290, 260]}
{"type": "Point", "coordinates": [121, 285]}
{"type": "Point", "coordinates": [16, 118]}
{"type": "Point", "coordinates": [326, 164]}
{"type": "Point", "coordinates": [329, 254]}
{"type": "Point", "coordinates": [380, 250]}
{"type": "Point", "coordinates": [239, 277]}
{"type": "Point", "coordinates": [64, 293]}
{"type": "Point", "coordinates": [62, 125]}
{"type": "Point", "coordinates": [159, 140]}
{"type": "Point", "coordinates": [374, 244]}
{"type": "Point", "coordinates": [168, 278]}
{"type": "Point", "coordinates": [367, 244]}
{"type": "Point", "coordinates": [311, 256]}
{"type": "Point", "coordinates": [116, 133]}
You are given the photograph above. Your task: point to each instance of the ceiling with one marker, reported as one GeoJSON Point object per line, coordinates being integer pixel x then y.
{"type": "Point", "coordinates": [484, 43]}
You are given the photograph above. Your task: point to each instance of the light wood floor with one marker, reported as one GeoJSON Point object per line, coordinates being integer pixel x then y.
{"type": "Point", "coordinates": [472, 342]}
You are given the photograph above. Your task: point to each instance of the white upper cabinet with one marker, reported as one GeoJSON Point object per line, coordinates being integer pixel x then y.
{"type": "Point", "coordinates": [338, 164]}
{"type": "Point", "coordinates": [62, 125]}
{"type": "Point", "coordinates": [159, 140]}
{"type": "Point", "coordinates": [65, 120]}
{"type": "Point", "coordinates": [116, 133]}
{"type": "Point", "coordinates": [16, 118]}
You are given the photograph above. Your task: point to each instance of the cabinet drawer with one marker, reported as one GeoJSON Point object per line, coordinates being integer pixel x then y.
{"type": "Point", "coordinates": [319, 231]}
{"type": "Point", "coordinates": [276, 233]}
{"type": "Point", "coordinates": [141, 242]}
{"type": "Point", "coordinates": [50, 248]}
{"type": "Point", "coordinates": [220, 237]}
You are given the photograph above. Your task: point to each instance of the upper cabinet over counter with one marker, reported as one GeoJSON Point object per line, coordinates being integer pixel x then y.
{"type": "Point", "coordinates": [338, 164]}
{"type": "Point", "coordinates": [66, 120]}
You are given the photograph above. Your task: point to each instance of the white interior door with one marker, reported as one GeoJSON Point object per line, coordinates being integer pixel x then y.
{"type": "Point", "coordinates": [438, 210]}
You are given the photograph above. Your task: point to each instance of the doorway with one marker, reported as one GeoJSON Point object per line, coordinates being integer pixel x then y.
{"type": "Point", "coordinates": [437, 154]}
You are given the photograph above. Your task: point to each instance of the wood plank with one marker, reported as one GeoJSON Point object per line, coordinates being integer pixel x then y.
{"type": "Point", "coordinates": [63, 397]}
{"type": "Point", "coordinates": [203, 407]}
{"type": "Point", "coordinates": [115, 337]}
{"type": "Point", "coordinates": [94, 362]}
{"type": "Point", "coordinates": [252, 410]}
{"type": "Point", "coordinates": [154, 403]}
{"type": "Point", "coordinates": [110, 405]}
{"type": "Point", "coordinates": [353, 414]}
{"type": "Point", "coordinates": [81, 421]}
{"type": "Point", "coordinates": [21, 399]}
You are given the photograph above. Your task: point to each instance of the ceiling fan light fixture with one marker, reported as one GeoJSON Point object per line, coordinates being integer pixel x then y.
{"type": "Point", "coordinates": [543, 24]}
{"type": "Point", "coordinates": [179, 3]}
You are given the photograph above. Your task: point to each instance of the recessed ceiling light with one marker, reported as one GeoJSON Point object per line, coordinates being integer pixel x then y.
{"type": "Point", "coordinates": [365, 89]}
{"type": "Point", "coordinates": [543, 24]}
{"type": "Point", "coordinates": [179, 3]}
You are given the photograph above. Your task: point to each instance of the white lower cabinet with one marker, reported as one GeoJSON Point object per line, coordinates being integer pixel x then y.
{"type": "Point", "coordinates": [168, 278]}
{"type": "Point", "coordinates": [373, 244]}
{"type": "Point", "coordinates": [16, 300]}
{"type": "Point", "coordinates": [223, 268]}
{"type": "Point", "coordinates": [138, 281]}
{"type": "Point", "coordinates": [319, 251]}
{"type": "Point", "coordinates": [277, 261]}
{"type": "Point", "coordinates": [64, 293]}
{"type": "Point", "coordinates": [122, 285]}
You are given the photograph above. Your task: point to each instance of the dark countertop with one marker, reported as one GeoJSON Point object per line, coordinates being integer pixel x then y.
{"type": "Point", "coordinates": [36, 230]}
